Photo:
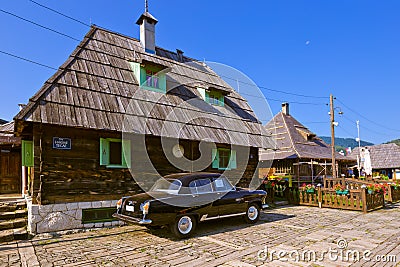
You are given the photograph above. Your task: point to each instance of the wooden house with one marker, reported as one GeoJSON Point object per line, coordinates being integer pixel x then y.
{"type": "Point", "coordinates": [299, 154]}
{"type": "Point", "coordinates": [120, 113]}
{"type": "Point", "coordinates": [10, 160]}
{"type": "Point", "coordinates": [385, 159]}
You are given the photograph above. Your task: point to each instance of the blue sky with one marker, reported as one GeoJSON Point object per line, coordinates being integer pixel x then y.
{"type": "Point", "coordinates": [350, 49]}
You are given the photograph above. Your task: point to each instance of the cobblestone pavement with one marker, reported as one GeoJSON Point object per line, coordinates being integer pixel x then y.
{"type": "Point", "coordinates": [292, 231]}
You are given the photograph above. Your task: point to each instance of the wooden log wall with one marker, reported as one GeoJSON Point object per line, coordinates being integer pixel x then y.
{"type": "Point", "coordinates": [75, 175]}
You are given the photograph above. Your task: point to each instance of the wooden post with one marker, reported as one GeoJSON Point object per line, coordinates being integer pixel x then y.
{"type": "Point", "coordinates": [390, 197]}
{"type": "Point", "coordinates": [364, 200]}
{"type": "Point", "coordinates": [320, 197]}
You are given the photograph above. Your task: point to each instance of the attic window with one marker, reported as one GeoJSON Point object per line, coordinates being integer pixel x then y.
{"type": "Point", "coordinates": [213, 97]}
{"type": "Point", "coordinates": [150, 77]}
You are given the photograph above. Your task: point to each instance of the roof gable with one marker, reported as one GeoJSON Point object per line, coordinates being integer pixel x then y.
{"type": "Point", "coordinates": [96, 88]}
{"type": "Point", "coordinates": [294, 140]}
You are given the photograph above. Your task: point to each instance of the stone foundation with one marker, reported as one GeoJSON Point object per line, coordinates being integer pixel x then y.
{"type": "Point", "coordinates": [64, 216]}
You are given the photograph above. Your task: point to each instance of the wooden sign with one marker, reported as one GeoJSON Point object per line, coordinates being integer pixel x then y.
{"type": "Point", "coordinates": [62, 143]}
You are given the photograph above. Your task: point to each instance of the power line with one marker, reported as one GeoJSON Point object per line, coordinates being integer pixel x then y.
{"type": "Point", "coordinates": [75, 39]}
{"type": "Point", "coordinates": [274, 90]}
{"type": "Point", "coordinates": [28, 60]}
{"type": "Point", "coordinates": [83, 23]}
{"type": "Point", "coordinates": [59, 13]}
{"type": "Point", "coordinates": [39, 25]}
{"type": "Point", "coordinates": [376, 123]}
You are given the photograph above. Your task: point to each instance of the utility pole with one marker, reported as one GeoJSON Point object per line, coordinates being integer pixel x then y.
{"type": "Point", "coordinates": [359, 146]}
{"type": "Point", "coordinates": [333, 137]}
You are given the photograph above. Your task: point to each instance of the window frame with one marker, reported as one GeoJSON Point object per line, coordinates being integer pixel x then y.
{"type": "Point", "coordinates": [105, 153]}
{"type": "Point", "coordinates": [140, 73]}
{"type": "Point", "coordinates": [232, 162]}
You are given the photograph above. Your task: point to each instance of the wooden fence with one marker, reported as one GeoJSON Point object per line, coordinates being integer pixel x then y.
{"type": "Point", "coordinates": [357, 199]}
{"type": "Point", "coordinates": [393, 194]}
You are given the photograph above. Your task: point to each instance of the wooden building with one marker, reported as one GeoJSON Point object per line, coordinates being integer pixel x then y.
{"type": "Point", "coordinates": [122, 110]}
{"type": "Point", "coordinates": [385, 159]}
{"type": "Point", "coordinates": [299, 153]}
{"type": "Point", "coordinates": [10, 160]}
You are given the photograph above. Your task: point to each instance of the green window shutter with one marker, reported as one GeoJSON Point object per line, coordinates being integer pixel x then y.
{"type": "Point", "coordinates": [221, 100]}
{"type": "Point", "coordinates": [104, 152]}
{"type": "Point", "coordinates": [207, 97]}
{"type": "Point", "coordinates": [27, 153]}
{"type": "Point", "coordinates": [126, 153]}
{"type": "Point", "coordinates": [215, 158]}
{"type": "Point", "coordinates": [232, 160]}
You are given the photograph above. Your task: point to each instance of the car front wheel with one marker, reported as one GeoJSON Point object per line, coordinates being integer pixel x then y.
{"type": "Point", "coordinates": [183, 226]}
{"type": "Point", "coordinates": [252, 213]}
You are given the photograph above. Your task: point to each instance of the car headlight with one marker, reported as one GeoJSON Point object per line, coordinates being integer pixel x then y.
{"type": "Point", "coordinates": [145, 207]}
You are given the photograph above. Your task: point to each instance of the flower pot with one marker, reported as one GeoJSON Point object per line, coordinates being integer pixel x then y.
{"type": "Point", "coordinates": [311, 190]}
{"type": "Point", "coordinates": [345, 192]}
{"type": "Point", "coordinates": [370, 191]}
{"type": "Point", "coordinates": [339, 192]}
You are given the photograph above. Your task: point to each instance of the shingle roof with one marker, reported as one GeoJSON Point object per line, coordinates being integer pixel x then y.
{"type": "Point", "coordinates": [96, 88]}
{"type": "Point", "coordinates": [7, 134]}
{"type": "Point", "coordinates": [294, 140]}
{"type": "Point", "coordinates": [384, 156]}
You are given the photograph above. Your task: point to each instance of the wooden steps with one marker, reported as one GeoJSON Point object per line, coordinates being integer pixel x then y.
{"type": "Point", "coordinates": [13, 220]}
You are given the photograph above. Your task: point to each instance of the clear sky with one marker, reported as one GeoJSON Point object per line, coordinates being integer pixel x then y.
{"type": "Point", "coordinates": [350, 49]}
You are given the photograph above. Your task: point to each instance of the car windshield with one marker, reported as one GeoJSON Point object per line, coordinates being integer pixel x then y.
{"type": "Point", "coordinates": [171, 186]}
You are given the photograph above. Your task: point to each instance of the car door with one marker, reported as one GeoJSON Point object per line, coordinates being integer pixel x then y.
{"type": "Point", "coordinates": [230, 200]}
{"type": "Point", "coordinates": [203, 197]}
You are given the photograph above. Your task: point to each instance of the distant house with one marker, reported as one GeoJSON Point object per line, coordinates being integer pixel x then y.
{"type": "Point", "coordinates": [299, 153]}
{"type": "Point", "coordinates": [121, 110]}
{"type": "Point", "coordinates": [385, 159]}
{"type": "Point", "coordinates": [10, 160]}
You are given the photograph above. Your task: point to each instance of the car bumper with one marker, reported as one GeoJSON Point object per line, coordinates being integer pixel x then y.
{"type": "Point", "coordinates": [129, 219]}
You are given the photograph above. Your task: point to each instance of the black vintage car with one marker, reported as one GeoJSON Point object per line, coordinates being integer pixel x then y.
{"type": "Point", "coordinates": [180, 201]}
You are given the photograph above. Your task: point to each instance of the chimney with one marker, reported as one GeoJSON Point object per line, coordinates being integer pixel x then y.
{"type": "Point", "coordinates": [179, 53]}
{"type": "Point", "coordinates": [285, 108]}
{"type": "Point", "coordinates": [147, 30]}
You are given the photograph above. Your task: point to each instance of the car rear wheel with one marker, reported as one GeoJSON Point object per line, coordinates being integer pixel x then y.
{"type": "Point", "coordinates": [252, 213]}
{"type": "Point", "coordinates": [183, 226]}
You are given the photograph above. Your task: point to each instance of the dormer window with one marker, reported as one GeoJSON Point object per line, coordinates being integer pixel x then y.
{"type": "Point", "coordinates": [150, 76]}
{"type": "Point", "coordinates": [212, 96]}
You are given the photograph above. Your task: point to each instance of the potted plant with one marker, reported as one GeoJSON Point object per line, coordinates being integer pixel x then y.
{"type": "Point", "coordinates": [371, 188]}
{"type": "Point", "coordinates": [309, 188]}
{"type": "Point", "coordinates": [339, 189]}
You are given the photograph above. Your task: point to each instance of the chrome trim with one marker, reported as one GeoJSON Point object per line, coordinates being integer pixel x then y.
{"type": "Point", "coordinates": [132, 219]}
{"type": "Point", "coordinates": [220, 217]}
{"type": "Point", "coordinates": [265, 206]}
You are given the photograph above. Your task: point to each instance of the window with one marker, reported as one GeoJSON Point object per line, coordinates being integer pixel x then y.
{"type": "Point", "coordinates": [224, 159]}
{"type": "Point", "coordinates": [221, 184]}
{"type": "Point", "coordinates": [115, 153]}
{"type": "Point", "coordinates": [150, 77]}
{"type": "Point", "coordinates": [98, 215]}
{"type": "Point", "coordinates": [213, 97]}
{"type": "Point", "coordinates": [200, 186]}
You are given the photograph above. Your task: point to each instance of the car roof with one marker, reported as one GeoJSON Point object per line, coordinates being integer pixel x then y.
{"type": "Point", "coordinates": [186, 178]}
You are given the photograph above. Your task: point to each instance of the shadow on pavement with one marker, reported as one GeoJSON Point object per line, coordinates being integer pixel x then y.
{"type": "Point", "coordinates": [223, 225]}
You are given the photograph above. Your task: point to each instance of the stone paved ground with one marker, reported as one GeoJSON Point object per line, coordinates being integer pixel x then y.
{"type": "Point", "coordinates": [294, 230]}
